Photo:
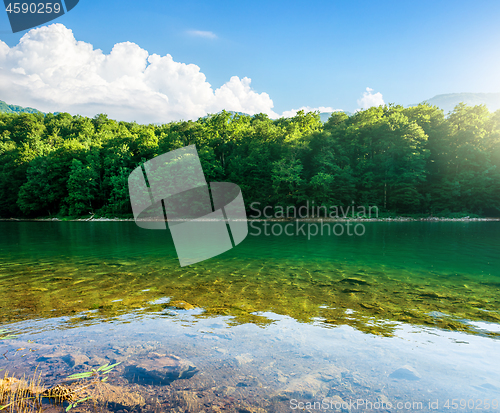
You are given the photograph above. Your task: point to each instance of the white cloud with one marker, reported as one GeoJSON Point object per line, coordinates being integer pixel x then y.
{"type": "Point", "coordinates": [52, 71]}
{"type": "Point", "coordinates": [237, 95]}
{"type": "Point", "coordinates": [370, 99]}
{"type": "Point", "coordinates": [202, 33]}
{"type": "Point", "coordinates": [293, 112]}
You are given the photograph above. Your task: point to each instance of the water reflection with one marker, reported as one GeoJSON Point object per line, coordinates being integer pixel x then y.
{"type": "Point", "coordinates": [264, 366]}
{"type": "Point", "coordinates": [326, 292]}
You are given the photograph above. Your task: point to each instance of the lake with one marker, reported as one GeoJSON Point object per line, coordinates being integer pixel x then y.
{"type": "Point", "coordinates": [403, 317]}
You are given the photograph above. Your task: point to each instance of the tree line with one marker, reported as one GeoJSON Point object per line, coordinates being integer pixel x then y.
{"type": "Point", "coordinates": [410, 160]}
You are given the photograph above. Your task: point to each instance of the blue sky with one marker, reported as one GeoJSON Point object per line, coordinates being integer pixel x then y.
{"type": "Point", "coordinates": [314, 54]}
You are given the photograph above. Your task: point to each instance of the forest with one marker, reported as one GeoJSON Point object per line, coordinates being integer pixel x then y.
{"type": "Point", "coordinates": [405, 161]}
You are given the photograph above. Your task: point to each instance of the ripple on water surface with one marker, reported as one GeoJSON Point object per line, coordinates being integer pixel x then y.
{"type": "Point", "coordinates": [404, 313]}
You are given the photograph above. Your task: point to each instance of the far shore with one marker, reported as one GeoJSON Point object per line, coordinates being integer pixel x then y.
{"type": "Point", "coordinates": [315, 219]}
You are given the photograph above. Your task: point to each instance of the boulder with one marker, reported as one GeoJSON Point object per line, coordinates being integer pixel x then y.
{"type": "Point", "coordinates": [158, 369]}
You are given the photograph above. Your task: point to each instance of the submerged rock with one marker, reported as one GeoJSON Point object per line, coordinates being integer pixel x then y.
{"type": "Point", "coordinates": [224, 391]}
{"type": "Point", "coordinates": [430, 294]}
{"type": "Point", "coordinates": [97, 361]}
{"type": "Point", "coordinates": [489, 386]}
{"type": "Point", "coordinates": [333, 402]}
{"type": "Point", "coordinates": [354, 281]}
{"type": "Point", "coordinates": [249, 381]}
{"type": "Point", "coordinates": [311, 385]}
{"type": "Point", "coordinates": [75, 359]}
{"type": "Point", "coordinates": [13, 385]}
{"type": "Point", "coordinates": [158, 369]}
{"type": "Point", "coordinates": [116, 397]}
{"type": "Point", "coordinates": [181, 305]}
{"type": "Point", "coordinates": [189, 401]}
{"type": "Point", "coordinates": [243, 359]}
{"type": "Point", "coordinates": [306, 387]}
{"type": "Point", "coordinates": [405, 373]}
{"type": "Point", "coordinates": [53, 356]}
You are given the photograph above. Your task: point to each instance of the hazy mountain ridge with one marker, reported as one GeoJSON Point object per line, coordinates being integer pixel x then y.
{"type": "Point", "coordinates": [6, 108]}
{"type": "Point", "coordinates": [447, 102]}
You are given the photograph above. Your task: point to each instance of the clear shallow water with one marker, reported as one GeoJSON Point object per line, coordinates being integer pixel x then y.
{"type": "Point", "coordinates": [275, 319]}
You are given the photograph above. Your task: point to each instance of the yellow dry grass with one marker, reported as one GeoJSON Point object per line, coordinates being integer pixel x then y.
{"type": "Point", "coordinates": [21, 395]}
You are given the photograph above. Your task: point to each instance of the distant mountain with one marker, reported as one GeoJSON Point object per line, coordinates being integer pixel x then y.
{"type": "Point", "coordinates": [234, 113]}
{"type": "Point", "coordinates": [449, 101]}
{"type": "Point", "coordinates": [6, 108]}
{"type": "Point", "coordinates": [324, 116]}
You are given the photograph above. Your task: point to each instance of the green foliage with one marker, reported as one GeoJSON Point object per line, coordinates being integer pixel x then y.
{"type": "Point", "coordinates": [82, 187]}
{"type": "Point", "coordinates": [97, 376]}
{"type": "Point", "coordinates": [95, 373]}
{"type": "Point", "coordinates": [77, 402]}
{"type": "Point", "coordinates": [287, 182]}
{"type": "Point", "coordinates": [403, 160]}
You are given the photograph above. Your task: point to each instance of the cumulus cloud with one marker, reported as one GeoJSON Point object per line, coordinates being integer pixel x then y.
{"type": "Point", "coordinates": [52, 71]}
{"type": "Point", "coordinates": [202, 33]}
{"type": "Point", "coordinates": [293, 112]}
{"type": "Point", "coordinates": [370, 99]}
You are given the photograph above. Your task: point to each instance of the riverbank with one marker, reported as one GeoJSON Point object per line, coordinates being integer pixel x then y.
{"type": "Point", "coordinates": [327, 219]}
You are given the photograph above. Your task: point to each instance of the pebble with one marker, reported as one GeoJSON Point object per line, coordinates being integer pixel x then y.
{"type": "Point", "coordinates": [305, 387]}
{"type": "Point", "coordinates": [243, 359]}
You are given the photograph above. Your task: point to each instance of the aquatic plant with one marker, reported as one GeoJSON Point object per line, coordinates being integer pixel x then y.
{"type": "Point", "coordinates": [97, 376]}
{"type": "Point", "coordinates": [4, 335]}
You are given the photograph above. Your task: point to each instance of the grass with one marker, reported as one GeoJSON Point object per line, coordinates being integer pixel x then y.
{"type": "Point", "coordinates": [25, 395]}
{"type": "Point", "coordinates": [22, 395]}
{"type": "Point", "coordinates": [97, 376]}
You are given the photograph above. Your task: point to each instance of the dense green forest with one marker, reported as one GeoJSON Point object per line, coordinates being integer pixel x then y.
{"type": "Point", "coordinates": [403, 160]}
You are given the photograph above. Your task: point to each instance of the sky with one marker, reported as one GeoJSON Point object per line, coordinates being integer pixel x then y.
{"type": "Point", "coordinates": [159, 61]}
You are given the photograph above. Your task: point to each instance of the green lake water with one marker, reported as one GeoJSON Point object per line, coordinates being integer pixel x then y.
{"type": "Point", "coordinates": [270, 317]}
